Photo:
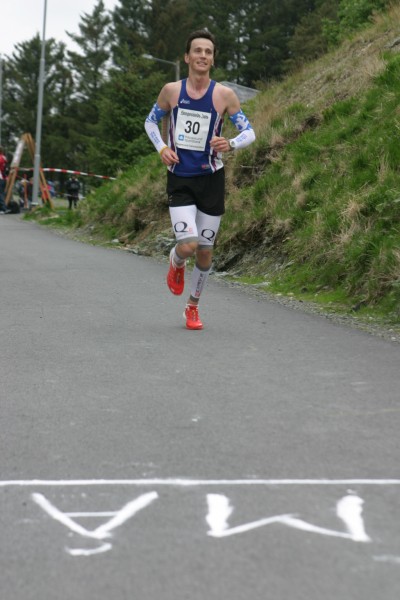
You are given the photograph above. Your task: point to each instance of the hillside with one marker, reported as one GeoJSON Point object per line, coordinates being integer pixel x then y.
{"type": "Point", "coordinates": [313, 207]}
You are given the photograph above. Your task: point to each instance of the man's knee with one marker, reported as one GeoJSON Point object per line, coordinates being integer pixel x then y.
{"type": "Point", "coordinates": [186, 249]}
{"type": "Point", "coordinates": [204, 257]}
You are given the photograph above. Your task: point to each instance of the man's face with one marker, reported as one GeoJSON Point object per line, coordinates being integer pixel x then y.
{"type": "Point", "coordinates": [201, 55]}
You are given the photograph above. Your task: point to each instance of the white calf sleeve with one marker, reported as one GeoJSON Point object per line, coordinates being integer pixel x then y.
{"type": "Point", "coordinates": [176, 259]}
{"type": "Point", "coordinates": [199, 279]}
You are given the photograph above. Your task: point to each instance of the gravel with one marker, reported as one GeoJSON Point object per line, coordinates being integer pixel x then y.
{"type": "Point", "coordinates": [369, 325]}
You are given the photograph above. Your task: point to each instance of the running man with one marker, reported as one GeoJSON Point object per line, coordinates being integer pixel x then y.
{"type": "Point", "coordinates": [195, 177]}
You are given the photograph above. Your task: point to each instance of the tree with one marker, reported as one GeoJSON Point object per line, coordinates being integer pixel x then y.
{"type": "Point", "coordinates": [126, 101]}
{"type": "Point", "coordinates": [58, 145]}
{"type": "Point", "coordinates": [309, 40]}
{"type": "Point", "coordinates": [21, 95]}
{"type": "Point", "coordinates": [270, 28]}
{"type": "Point", "coordinates": [168, 24]}
{"type": "Point", "coordinates": [228, 21]}
{"type": "Point", "coordinates": [351, 15]}
{"type": "Point", "coordinates": [253, 39]}
{"type": "Point", "coordinates": [89, 66]}
{"type": "Point", "coordinates": [129, 31]}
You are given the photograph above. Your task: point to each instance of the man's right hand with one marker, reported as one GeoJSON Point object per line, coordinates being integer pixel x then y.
{"type": "Point", "coordinates": [169, 157]}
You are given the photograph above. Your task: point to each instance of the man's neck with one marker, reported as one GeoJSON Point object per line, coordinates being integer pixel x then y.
{"type": "Point", "coordinates": [197, 85]}
{"type": "Point", "coordinates": [199, 82]}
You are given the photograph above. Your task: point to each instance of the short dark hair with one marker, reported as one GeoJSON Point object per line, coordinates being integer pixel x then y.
{"type": "Point", "coordinates": [200, 33]}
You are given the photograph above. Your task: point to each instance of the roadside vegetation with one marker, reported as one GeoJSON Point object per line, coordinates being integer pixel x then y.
{"type": "Point", "coordinates": [313, 206]}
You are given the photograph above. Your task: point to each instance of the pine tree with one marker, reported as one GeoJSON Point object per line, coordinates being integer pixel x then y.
{"type": "Point", "coordinates": [271, 27]}
{"type": "Point", "coordinates": [126, 101]}
{"type": "Point", "coordinates": [309, 40]}
{"type": "Point", "coordinates": [21, 95]}
{"type": "Point", "coordinates": [90, 70]}
{"type": "Point", "coordinates": [129, 33]}
{"type": "Point", "coordinates": [168, 24]}
{"type": "Point", "coordinates": [228, 22]}
{"type": "Point", "coordinates": [90, 64]}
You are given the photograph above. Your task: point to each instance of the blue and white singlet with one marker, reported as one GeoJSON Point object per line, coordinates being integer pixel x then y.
{"type": "Point", "coordinates": [192, 125]}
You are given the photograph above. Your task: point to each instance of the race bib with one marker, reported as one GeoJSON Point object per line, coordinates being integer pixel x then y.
{"type": "Point", "coordinates": [192, 128]}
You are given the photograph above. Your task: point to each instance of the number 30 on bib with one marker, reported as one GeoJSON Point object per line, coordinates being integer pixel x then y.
{"type": "Point", "coordinates": [192, 128]}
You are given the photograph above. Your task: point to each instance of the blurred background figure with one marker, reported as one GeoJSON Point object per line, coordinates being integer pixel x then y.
{"type": "Point", "coordinates": [23, 192]}
{"type": "Point", "coordinates": [72, 188]}
{"type": "Point", "coordinates": [3, 178]}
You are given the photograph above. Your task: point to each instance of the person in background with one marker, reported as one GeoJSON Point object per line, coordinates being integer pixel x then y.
{"type": "Point", "coordinates": [72, 188]}
{"type": "Point", "coordinates": [22, 188]}
{"type": "Point", "coordinates": [30, 192]}
{"type": "Point", "coordinates": [3, 179]}
{"type": "Point", "coordinates": [51, 188]}
{"type": "Point", "coordinates": [193, 157]}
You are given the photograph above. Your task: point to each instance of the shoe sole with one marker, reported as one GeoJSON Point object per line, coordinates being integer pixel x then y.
{"type": "Point", "coordinates": [194, 328]}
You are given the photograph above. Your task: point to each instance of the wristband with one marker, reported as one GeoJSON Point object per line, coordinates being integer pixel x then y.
{"type": "Point", "coordinates": [162, 150]}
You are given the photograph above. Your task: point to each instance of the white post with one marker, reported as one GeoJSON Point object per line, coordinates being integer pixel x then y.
{"type": "Point", "coordinates": [35, 191]}
{"type": "Point", "coordinates": [1, 93]}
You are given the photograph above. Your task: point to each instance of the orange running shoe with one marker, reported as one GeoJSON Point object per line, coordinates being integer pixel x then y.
{"type": "Point", "coordinates": [175, 277]}
{"type": "Point", "coordinates": [191, 315]}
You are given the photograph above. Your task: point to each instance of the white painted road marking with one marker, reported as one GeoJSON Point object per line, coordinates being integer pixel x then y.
{"type": "Point", "coordinates": [101, 532]}
{"type": "Point", "coordinates": [349, 509]}
{"type": "Point", "coordinates": [84, 552]}
{"type": "Point", "coordinates": [193, 482]}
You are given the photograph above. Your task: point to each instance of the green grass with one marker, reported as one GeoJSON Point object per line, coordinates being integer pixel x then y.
{"type": "Point", "coordinates": [111, 211]}
{"type": "Point", "coordinates": [352, 157]}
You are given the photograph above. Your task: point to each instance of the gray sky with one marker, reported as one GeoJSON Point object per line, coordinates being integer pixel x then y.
{"type": "Point", "coordinates": [22, 19]}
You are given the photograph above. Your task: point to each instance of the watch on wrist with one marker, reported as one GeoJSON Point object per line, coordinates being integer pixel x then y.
{"type": "Point", "coordinates": [232, 144]}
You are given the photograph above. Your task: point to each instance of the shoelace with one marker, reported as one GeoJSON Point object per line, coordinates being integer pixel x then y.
{"type": "Point", "coordinates": [177, 271]}
{"type": "Point", "coordinates": [193, 312]}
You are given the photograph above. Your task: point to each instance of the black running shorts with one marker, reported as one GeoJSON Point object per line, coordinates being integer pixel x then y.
{"type": "Point", "coordinates": [207, 192]}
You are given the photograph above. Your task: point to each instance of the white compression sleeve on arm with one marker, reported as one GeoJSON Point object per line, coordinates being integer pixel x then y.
{"type": "Point", "coordinates": [246, 135]}
{"type": "Point", "coordinates": [154, 134]}
{"type": "Point", "coordinates": [243, 139]}
{"type": "Point", "coordinates": [152, 129]}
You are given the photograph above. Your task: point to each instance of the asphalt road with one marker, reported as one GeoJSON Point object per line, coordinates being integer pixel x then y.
{"type": "Point", "coordinates": [256, 459]}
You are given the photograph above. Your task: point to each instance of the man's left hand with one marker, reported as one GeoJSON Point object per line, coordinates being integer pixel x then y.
{"type": "Point", "coordinates": [220, 144]}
